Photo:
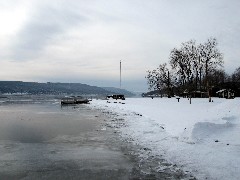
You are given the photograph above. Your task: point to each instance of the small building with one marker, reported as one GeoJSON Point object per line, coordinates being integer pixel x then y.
{"type": "Point", "coordinates": [194, 94]}
{"type": "Point", "coordinates": [185, 94]}
{"type": "Point", "coordinates": [226, 93]}
{"type": "Point", "coordinates": [199, 94]}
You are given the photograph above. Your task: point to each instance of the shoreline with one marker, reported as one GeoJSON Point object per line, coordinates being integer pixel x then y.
{"type": "Point", "coordinates": [147, 164]}
{"type": "Point", "coordinates": [196, 138]}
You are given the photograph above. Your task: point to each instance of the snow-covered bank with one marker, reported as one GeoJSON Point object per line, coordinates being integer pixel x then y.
{"type": "Point", "coordinates": [202, 137]}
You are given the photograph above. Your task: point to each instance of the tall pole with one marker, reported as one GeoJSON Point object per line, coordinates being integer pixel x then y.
{"type": "Point", "coordinates": [168, 84]}
{"type": "Point", "coordinates": [120, 74]}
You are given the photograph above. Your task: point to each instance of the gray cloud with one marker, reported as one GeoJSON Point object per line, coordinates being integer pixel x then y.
{"type": "Point", "coordinates": [41, 28]}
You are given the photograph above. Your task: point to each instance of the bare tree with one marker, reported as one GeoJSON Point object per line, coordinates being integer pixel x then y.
{"type": "Point", "coordinates": [159, 79]}
{"type": "Point", "coordinates": [236, 75]}
{"type": "Point", "coordinates": [217, 77]}
{"type": "Point", "coordinates": [193, 66]}
{"type": "Point", "coordinates": [211, 58]}
{"type": "Point", "coordinates": [185, 62]}
{"type": "Point", "coordinates": [177, 62]}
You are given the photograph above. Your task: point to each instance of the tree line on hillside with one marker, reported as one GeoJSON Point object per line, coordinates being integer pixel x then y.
{"type": "Point", "coordinates": [192, 68]}
{"type": "Point", "coordinates": [19, 87]}
{"type": "Point", "coordinates": [48, 88]}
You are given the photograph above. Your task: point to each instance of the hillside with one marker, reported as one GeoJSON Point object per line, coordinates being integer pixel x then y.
{"type": "Point", "coordinates": [49, 88]}
{"type": "Point", "coordinates": [119, 91]}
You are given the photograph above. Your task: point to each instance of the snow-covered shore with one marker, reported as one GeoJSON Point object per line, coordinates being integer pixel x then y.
{"type": "Point", "coordinates": [201, 137]}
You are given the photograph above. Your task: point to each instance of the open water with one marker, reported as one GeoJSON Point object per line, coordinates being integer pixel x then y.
{"type": "Point", "coordinates": [40, 139]}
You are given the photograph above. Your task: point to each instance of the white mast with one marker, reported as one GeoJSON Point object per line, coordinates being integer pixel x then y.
{"type": "Point", "coordinates": [120, 74]}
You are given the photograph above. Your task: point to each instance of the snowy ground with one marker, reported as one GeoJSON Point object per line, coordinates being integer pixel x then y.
{"type": "Point", "coordinates": [201, 137]}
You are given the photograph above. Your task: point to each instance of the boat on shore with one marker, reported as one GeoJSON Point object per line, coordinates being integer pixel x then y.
{"type": "Point", "coordinates": [74, 100]}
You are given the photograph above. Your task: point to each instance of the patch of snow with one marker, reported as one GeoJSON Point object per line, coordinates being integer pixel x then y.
{"type": "Point", "coordinates": [201, 137]}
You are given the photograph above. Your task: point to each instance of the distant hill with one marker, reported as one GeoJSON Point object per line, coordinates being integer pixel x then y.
{"type": "Point", "coordinates": [151, 93]}
{"type": "Point", "coordinates": [56, 88]}
{"type": "Point", "coordinates": [49, 88]}
{"type": "Point", "coordinates": [119, 91]}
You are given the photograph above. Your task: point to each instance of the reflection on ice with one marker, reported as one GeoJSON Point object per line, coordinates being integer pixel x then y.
{"type": "Point", "coordinates": [37, 123]}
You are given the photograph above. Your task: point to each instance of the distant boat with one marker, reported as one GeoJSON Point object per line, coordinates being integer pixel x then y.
{"type": "Point", "coordinates": [74, 100]}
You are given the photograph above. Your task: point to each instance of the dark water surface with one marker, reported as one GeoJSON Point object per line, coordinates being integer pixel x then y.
{"type": "Point", "coordinates": [39, 139]}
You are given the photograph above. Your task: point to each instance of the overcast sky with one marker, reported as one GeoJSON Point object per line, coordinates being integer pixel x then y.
{"type": "Point", "coordinates": [84, 40]}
